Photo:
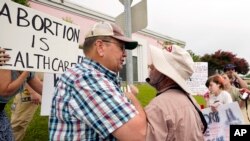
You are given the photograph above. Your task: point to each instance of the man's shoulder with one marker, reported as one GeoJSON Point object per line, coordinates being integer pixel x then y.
{"type": "Point", "coordinates": [170, 101]}
{"type": "Point", "coordinates": [170, 96]}
{"type": "Point", "coordinates": [81, 71]}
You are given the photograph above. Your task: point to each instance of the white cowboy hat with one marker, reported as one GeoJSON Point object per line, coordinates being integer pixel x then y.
{"type": "Point", "coordinates": [174, 62]}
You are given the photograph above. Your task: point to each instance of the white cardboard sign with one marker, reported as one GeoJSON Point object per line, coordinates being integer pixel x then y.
{"type": "Point", "coordinates": [36, 41]}
{"type": "Point", "coordinates": [49, 83]}
{"type": "Point", "coordinates": [219, 122]}
{"type": "Point", "coordinates": [197, 81]}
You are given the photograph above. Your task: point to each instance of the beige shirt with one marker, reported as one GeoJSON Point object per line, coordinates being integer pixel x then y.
{"type": "Point", "coordinates": [235, 93]}
{"type": "Point", "coordinates": [172, 117]}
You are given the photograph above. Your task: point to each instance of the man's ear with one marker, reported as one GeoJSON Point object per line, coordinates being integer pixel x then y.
{"type": "Point", "coordinates": [99, 47]}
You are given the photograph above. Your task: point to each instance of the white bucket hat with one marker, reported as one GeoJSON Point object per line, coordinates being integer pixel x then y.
{"type": "Point", "coordinates": [175, 63]}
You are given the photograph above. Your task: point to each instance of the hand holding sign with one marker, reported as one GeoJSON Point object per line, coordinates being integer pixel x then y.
{"type": "Point", "coordinates": [3, 56]}
{"type": "Point", "coordinates": [41, 42]}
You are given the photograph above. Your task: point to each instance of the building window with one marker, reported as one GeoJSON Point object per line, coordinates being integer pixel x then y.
{"type": "Point", "coordinates": [135, 68]}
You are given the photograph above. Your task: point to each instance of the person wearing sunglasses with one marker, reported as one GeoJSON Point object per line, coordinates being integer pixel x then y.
{"type": "Point", "coordinates": [235, 79]}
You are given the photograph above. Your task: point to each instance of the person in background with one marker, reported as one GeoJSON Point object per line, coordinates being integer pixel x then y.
{"type": "Point", "coordinates": [88, 103]}
{"type": "Point", "coordinates": [235, 94]}
{"type": "Point", "coordinates": [23, 109]}
{"type": "Point", "coordinates": [232, 90]}
{"type": "Point", "coordinates": [12, 83]}
{"type": "Point", "coordinates": [173, 111]}
{"type": "Point", "coordinates": [235, 79]}
{"type": "Point", "coordinates": [218, 95]}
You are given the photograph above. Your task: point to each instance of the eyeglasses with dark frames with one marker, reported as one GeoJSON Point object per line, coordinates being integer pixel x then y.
{"type": "Point", "coordinates": [121, 46]}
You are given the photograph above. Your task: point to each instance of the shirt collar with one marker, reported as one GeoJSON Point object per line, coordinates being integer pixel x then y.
{"type": "Point", "coordinates": [100, 68]}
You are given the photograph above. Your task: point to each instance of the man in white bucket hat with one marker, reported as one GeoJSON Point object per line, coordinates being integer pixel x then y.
{"type": "Point", "coordinates": [173, 113]}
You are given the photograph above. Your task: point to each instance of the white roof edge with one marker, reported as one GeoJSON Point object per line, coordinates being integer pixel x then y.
{"type": "Point", "coordinates": [86, 12]}
{"type": "Point", "coordinates": [162, 37]}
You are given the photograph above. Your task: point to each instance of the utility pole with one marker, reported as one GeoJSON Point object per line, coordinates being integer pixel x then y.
{"type": "Point", "coordinates": [128, 32]}
{"type": "Point", "coordinates": [129, 21]}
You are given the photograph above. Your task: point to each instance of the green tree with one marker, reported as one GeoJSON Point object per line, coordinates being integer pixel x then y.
{"type": "Point", "coordinates": [22, 2]}
{"type": "Point", "coordinates": [248, 75]}
{"type": "Point", "coordinates": [195, 57]}
{"type": "Point", "coordinates": [219, 59]}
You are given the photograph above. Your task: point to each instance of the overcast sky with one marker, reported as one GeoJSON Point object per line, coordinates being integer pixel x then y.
{"type": "Point", "coordinates": [205, 25]}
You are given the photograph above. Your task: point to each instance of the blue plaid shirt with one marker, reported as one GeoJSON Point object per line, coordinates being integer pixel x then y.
{"type": "Point", "coordinates": [88, 104]}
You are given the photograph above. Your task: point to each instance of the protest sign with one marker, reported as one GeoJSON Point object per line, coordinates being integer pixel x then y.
{"type": "Point", "coordinates": [49, 83]}
{"type": "Point", "coordinates": [197, 81]}
{"type": "Point", "coordinates": [219, 122]}
{"type": "Point", "coordinates": [36, 41]}
{"type": "Point", "coordinates": [50, 80]}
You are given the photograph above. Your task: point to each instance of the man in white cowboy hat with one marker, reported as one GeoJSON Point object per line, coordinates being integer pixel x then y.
{"type": "Point", "coordinates": [173, 113]}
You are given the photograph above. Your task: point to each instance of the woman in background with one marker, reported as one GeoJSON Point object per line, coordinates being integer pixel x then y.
{"type": "Point", "coordinates": [218, 95]}
{"type": "Point", "coordinates": [12, 82]}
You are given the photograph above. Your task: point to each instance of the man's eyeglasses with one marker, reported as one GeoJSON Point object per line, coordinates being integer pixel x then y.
{"type": "Point", "coordinates": [121, 46]}
{"type": "Point", "coordinates": [229, 69]}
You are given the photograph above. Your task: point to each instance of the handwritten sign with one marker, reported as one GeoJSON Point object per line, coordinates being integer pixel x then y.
{"type": "Point", "coordinates": [36, 41]}
{"type": "Point", "coordinates": [197, 81]}
{"type": "Point", "coordinates": [49, 83]}
{"type": "Point", "coordinates": [219, 122]}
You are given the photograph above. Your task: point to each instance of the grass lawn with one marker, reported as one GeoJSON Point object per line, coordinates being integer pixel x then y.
{"type": "Point", "coordinates": [38, 128]}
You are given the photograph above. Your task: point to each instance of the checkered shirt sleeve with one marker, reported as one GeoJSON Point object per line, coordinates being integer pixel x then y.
{"type": "Point", "coordinates": [88, 103]}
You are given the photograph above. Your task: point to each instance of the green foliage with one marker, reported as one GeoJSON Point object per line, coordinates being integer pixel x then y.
{"type": "Point", "coordinates": [22, 2]}
{"type": "Point", "coordinates": [146, 93]}
{"type": "Point", "coordinates": [200, 100]}
{"type": "Point", "coordinates": [219, 59]}
{"type": "Point", "coordinates": [38, 128]}
{"type": "Point", "coordinates": [248, 75]}
{"type": "Point", "coordinates": [195, 57]}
